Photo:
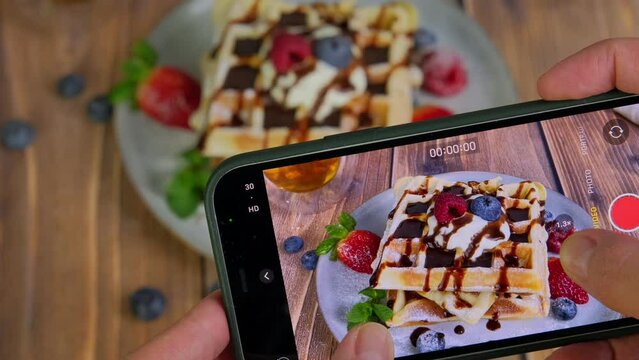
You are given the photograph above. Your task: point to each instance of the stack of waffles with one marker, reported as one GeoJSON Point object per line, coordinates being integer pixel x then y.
{"type": "Point", "coordinates": [249, 105]}
{"type": "Point", "coordinates": [469, 268]}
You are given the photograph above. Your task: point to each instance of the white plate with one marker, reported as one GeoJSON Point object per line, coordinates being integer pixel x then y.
{"type": "Point", "coordinates": [338, 286]}
{"type": "Point", "coordinates": [150, 151]}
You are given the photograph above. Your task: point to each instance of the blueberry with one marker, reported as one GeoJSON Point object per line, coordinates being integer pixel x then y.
{"type": "Point", "coordinates": [309, 260]}
{"type": "Point", "coordinates": [334, 50]}
{"type": "Point", "coordinates": [563, 309]}
{"type": "Point", "coordinates": [17, 134]}
{"type": "Point", "coordinates": [548, 216]}
{"type": "Point", "coordinates": [71, 85]}
{"type": "Point", "coordinates": [564, 223]}
{"type": "Point", "coordinates": [100, 108]}
{"type": "Point", "coordinates": [431, 341]}
{"type": "Point", "coordinates": [148, 303]}
{"type": "Point", "coordinates": [486, 207]}
{"type": "Point", "coordinates": [424, 38]}
{"type": "Point", "coordinates": [293, 244]}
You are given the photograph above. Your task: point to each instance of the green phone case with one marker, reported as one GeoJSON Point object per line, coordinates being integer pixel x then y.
{"type": "Point", "coordinates": [371, 136]}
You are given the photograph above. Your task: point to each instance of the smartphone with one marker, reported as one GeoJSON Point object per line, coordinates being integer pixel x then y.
{"type": "Point", "coordinates": [447, 232]}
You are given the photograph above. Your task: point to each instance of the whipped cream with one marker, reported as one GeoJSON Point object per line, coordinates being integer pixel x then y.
{"type": "Point", "coordinates": [462, 237]}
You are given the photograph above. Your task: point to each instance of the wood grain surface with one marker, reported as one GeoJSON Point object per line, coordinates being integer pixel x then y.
{"type": "Point", "coordinates": [75, 239]}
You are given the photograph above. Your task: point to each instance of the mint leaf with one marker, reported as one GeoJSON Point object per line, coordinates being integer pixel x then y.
{"type": "Point", "coordinates": [183, 195]}
{"type": "Point", "coordinates": [145, 52]}
{"type": "Point", "coordinates": [326, 246]}
{"type": "Point", "coordinates": [334, 254]}
{"type": "Point", "coordinates": [336, 231]}
{"type": "Point", "coordinates": [122, 92]}
{"type": "Point", "coordinates": [135, 69]}
{"type": "Point", "coordinates": [351, 325]}
{"type": "Point", "coordinates": [195, 158]}
{"type": "Point", "coordinates": [383, 312]}
{"type": "Point", "coordinates": [360, 313]}
{"type": "Point", "coordinates": [374, 293]}
{"type": "Point", "coordinates": [347, 221]}
{"type": "Point", "coordinates": [201, 180]}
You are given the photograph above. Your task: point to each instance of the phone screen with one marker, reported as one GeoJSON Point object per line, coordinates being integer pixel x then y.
{"type": "Point", "coordinates": [452, 242]}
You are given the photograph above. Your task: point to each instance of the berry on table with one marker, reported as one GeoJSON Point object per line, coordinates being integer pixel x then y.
{"type": "Point", "coordinates": [148, 303]}
{"type": "Point", "coordinates": [100, 108]}
{"type": "Point", "coordinates": [289, 50]}
{"type": "Point", "coordinates": [449, 207]}
{"type": "Point", "coordinates": [335, 50]}
{"type": "Point", "coordinates": [563, 309]}
{"type": "Point", "coordinates": [431, 341]}
{"type": "Point", "coordinates": [486, 207]}
{"type": "Point", "coordinates": [293, 244]}
{"type": "Point", "coordinates": [309, 260]}
{"type": "Point", "coordinates": [16, 134]}
{"type": "Point", "coordinates": [71, 85]}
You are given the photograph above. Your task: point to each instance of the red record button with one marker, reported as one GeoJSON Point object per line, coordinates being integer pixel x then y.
{"type": "Point", "coordinates": [624, 212]}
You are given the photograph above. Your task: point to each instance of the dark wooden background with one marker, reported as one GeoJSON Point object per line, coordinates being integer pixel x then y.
{"type": "Point", "coordinates": [75, 238]}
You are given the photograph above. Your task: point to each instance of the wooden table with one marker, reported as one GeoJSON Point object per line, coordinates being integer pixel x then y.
{"type": "Point", "coordinates": [75, 238]}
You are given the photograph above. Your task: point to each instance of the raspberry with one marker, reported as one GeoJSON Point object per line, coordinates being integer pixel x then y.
{"type": "Point", "coordinates": [448, 207]}
{"type": "Point", "coordinates": [288, 50]}
{"type": "Point", "coordinates": [556, 236]}
{"type": "Point", "coordinates": [444, 73]}
{"type": "Point", "coordinates": [562, 286]}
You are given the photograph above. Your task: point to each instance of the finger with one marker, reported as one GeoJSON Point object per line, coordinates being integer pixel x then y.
{"type": "Point", "coordinates": [605, 264]}
{"type": "Point", "coordinates": [370, 341]}
{"type": "Point", "coordinates": [201, 334]}
{"type": "Point", "coordinates": [621, 348]}
{"type": "Point", "coordinates": [594, 70]}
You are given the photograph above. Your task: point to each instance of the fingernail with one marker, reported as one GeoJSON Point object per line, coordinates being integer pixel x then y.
{"type": "Point", "coordinates": [575, 255]}
{"type": "Point", "coordinates": [373, 343]}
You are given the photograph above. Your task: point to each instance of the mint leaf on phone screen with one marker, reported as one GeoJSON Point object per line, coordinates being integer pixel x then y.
{"type": "Point", "coordinates": [347, 221]}
{"type": "Point", "coordinates": [373, 309]}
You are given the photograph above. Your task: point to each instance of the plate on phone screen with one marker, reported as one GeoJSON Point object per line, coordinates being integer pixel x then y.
{"type": "Point", "coordinates": [338, 286]}
{"type": "Point", "coordinates": [151, 152]}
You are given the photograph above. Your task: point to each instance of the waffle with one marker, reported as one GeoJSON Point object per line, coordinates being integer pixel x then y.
{"type": "Point", "coordinates": [248, 106]}
{"type": "Point", "coordinates": [469, 268]}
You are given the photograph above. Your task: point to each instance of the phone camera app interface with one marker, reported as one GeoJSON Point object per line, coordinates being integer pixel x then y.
{"type": "Point", "coordinates": [455, 241]}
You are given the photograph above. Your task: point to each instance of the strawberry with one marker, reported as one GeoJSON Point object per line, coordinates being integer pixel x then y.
{"type": "Point", "coordinates": [429, 112]}
{"type": "Point", "coordinates": [562, 286]}
{"type": "Point", "coordinates": [355, 248]}
{"type": "Point", "coordinates": [164, 93]}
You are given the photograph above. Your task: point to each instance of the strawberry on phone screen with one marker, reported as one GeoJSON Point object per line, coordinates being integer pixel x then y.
{"type": "Point", "coordinates": [166, 94]}
{"type": "Point", "coordinates": [354, 248]}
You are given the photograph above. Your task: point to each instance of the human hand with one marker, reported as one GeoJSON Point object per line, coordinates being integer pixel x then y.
{"type": "Point", "coordinates": [203, 334]}
{"type": "Point", "coordinates": [603, 262]}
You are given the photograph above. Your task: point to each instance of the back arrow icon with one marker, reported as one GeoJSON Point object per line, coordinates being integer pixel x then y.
{"type": "Point", "coordinates": [266, 276]}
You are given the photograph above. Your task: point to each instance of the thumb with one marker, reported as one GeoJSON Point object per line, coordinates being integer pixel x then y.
{"type": "Point", "coordinates": [606, 264]}
{"type": "Point", "coordinates": [370, 341]}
